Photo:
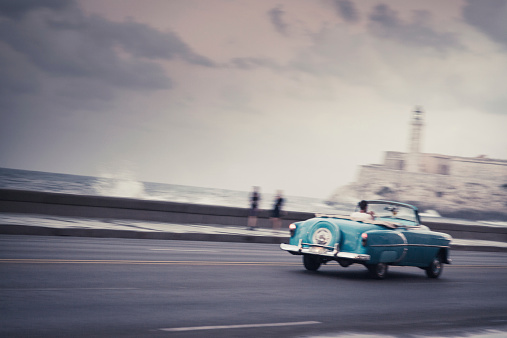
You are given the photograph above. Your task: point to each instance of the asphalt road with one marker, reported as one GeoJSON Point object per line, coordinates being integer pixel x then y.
{"type": "Point", "coordinates": [92, 287]}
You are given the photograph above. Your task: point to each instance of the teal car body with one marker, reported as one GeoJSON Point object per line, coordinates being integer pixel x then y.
{"type": "Point", "coordinates": [394, 237]}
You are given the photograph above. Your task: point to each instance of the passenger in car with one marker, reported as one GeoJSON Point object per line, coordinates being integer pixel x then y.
{"type": "Point", "coordinates": [363, 214]}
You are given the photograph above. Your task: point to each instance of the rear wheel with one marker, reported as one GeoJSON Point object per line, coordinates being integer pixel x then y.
{"type": "Point", "coordinates": [435, 268]}
{"type": "Point", "coordinates": [311, 263]}
{"type": "Point", "coordinates": [377, 271]}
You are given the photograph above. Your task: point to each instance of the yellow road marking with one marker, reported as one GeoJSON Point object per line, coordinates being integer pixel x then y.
{"type": "Point", "coordinates": [107, 261]}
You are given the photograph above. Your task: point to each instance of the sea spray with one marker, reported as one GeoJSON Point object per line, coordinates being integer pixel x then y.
{"type": "Point", "coordinates": [121, 184]}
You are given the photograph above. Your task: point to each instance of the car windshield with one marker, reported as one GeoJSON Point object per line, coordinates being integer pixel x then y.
{"type": "Point", "coordinates": [392, 212]}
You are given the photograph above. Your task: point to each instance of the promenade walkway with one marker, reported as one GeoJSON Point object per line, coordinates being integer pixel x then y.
{"type": "Point", "coordinates": [23, 224]}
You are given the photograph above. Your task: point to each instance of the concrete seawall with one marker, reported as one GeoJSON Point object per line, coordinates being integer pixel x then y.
{"type": "Point", "coordinates": [67, 205]}
{"type": "Point", "coordinates": [101, 207]}
{"type": "Point", "coordinates": [465, 231]}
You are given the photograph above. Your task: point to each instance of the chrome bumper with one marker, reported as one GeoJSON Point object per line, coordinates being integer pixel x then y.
{"type": "Point", "coordinates": [299, 250]}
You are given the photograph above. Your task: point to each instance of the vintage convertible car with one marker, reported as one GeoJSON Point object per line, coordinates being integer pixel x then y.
{"type": "Point", "coordinates": [395, 237]}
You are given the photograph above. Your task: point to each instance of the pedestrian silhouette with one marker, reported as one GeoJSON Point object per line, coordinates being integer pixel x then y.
{"type": "Point", "coordinates": [276, 219]}
{"type": "Point", "coordinates": [255, 198]}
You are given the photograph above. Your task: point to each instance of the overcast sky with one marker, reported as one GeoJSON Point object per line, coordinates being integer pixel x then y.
{"type": "Point", "coordinates": [286, 94]}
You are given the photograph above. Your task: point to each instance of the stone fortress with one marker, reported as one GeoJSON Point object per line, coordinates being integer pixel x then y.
{"type": "Point", "coordinates": [458, 187]}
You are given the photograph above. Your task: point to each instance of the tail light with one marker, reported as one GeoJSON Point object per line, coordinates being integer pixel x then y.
{"type": "Point", "coordinates": [292, 229]}
{"type": "Point", "coordinates": [364, 238]}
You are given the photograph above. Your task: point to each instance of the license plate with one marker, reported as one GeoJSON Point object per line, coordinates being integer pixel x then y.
{"type": "Point", "coordinates": [318, 250]}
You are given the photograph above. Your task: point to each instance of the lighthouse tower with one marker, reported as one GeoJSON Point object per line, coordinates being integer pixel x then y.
{"type": "Point", "coordinates": [413, 156]}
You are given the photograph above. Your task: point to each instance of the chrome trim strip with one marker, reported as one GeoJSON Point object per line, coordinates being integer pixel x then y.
{"type": "Point", "coordinates": [350, 255]}
{"type": "Point", "coordinates": [331, 254]}
{"type": "Point", "coordinates": [421, 245]}
{"type": "Point", "coordinates": [333, 216]}
{"type": "Point", "coordinates": [405, 249]}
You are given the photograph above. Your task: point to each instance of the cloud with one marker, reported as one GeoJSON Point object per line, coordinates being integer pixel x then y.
{"type": "Point", "coordinates": [276, 17]}
{"type": "Point", "coordinates": [17, 8]}
{"type": "Point", "coordinates": [16, 78]}
{"type": "Point", "coordinates": [347, 10]}
{"type": "Point", "coordinates": [79, 57]}
{"type": "Point", "coordinates": [247, 63]}
{"type": "Point", "coordinates": [385, 23]}
{"type": "Point", "coordinates": [143, 41]}
{"type": "Point", "coordinates": [489, 16]}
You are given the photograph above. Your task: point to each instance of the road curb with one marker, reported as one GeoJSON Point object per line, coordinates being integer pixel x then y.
{"type": "Point", "coordinates": [483, 248]}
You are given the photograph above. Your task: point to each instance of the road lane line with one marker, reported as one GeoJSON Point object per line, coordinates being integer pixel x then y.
{"type": "Point", "coordinates": [192, 263]}
{"type": "Point", "coordinates": [243, 326]}
{"type": "Point", "coordinates": [66, 289]}
{"type": "Point", "coordinates": [477, 266]}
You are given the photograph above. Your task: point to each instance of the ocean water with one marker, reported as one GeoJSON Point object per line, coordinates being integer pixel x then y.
{"type": "Point", "coordinates": [125, 185]}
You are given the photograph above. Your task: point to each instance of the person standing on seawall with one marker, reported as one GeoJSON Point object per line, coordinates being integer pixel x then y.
{"type": "Point", "coordinates": [277, 209]}
{"type": "Point", "coordinates": [255, 198]}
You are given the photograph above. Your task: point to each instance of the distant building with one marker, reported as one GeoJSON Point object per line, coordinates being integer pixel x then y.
{"type": "Point", "coordinates": [452, 185]}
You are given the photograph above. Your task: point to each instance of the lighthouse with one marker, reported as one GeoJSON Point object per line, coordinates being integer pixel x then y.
{"type": "Point", "coordinates": [414, 151]}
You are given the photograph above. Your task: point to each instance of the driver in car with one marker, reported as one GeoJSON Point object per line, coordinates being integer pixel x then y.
{"type": "Point", "coordinates": [363, 214]}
